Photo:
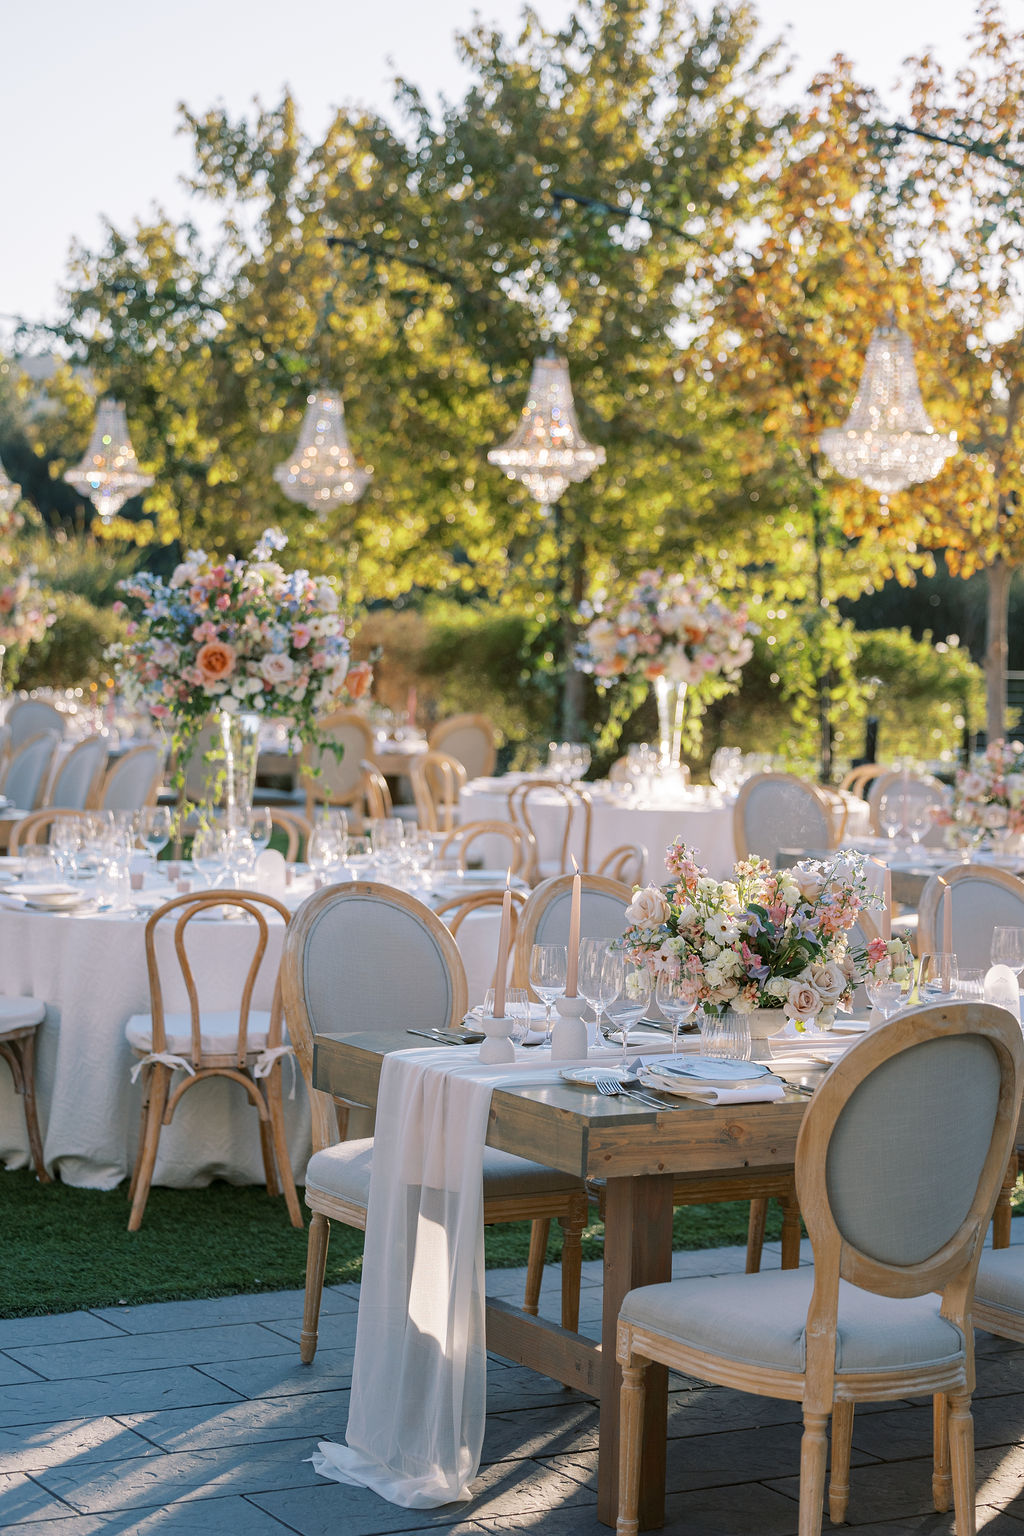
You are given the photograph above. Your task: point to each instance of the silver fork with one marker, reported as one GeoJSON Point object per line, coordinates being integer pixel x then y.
{"type": "Point", "coordinates": [609, 1086]}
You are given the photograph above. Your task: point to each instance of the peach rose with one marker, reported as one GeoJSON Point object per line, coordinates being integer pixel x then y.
{"type": "Point", "coordinates": [215, 660]}
{"type": "Point", "coordinates": [358, 679]}
{"type": "Point", "coordinates": [648, 909]}
{"type": "Point", "coordinates": [803, 1002]}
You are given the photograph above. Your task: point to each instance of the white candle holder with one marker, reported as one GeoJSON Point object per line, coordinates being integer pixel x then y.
{"type": "Point", "coordinates": [497, 1047]}
{"type": "Point", "coordinates": [570, 1038]}
{"type": "Point", "coordinates": [570, 1007]}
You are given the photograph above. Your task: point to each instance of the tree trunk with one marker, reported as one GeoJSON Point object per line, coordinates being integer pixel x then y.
{"type": "Point", "coordinates": [998, 577]}
{"type": "Point", "coordinates": [574, 682]}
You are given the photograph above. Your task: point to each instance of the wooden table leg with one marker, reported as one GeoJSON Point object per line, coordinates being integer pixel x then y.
{"type": "Point", "coordinates": [637, 1251]}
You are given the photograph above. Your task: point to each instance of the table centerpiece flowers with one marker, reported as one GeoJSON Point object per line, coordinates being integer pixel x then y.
{"type": "Point", "coordinates": [771, 944]}
{"type": "Point", "coordinates": [988, 798]}
{"type": "Point", "coordinates": [676, 634]}
{"type": "Point", "coordinates": [241, 638]}
{"type": "Point", "coordinates": [26, 613]}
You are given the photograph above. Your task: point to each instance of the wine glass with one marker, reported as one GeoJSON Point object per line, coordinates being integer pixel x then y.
{"type": "Point", "coordinates": [1008, 948]}
{"type": "Point", "coordinates": [326, 849]}
{"type": "Point", "coordinates": [891, 808]}
{"type": "Point", "coordinates": [630, 1003]}
{"type": "Point", "coordinates": [599, 975]}
{"type": "Point", "coordinates": [155, 827]}
{"type": "Point", "coordinates": [674, 996]}
{"type": "Point", "coordinates": [261, 827]}
{"type": "Point", "coordinates": [547, 976]}
{"type": "Point", "coordinates": [886, 993]}
{"type": "Point", "coordinates": [66, 842]}
{"type": "Point", "coordinates": [209, 853]}
{"type": "Point", "coordinates": [937, 979]}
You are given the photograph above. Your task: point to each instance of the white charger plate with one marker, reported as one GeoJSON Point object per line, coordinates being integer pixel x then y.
{"type": "Point", "coordinates": [588, 1075]}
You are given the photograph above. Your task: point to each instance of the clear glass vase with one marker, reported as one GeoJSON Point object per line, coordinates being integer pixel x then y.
{"type": "Point", "coordinates": [671, 700]}
{"type": "Point", "coordinates": [240, 743]}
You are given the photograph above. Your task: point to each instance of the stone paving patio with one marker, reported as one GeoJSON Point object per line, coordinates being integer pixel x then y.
{"type": "Point", "coordinates": [195, 1419]}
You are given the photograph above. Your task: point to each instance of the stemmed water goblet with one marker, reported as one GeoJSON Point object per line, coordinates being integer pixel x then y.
{"type": "Point", "coordinates": [937, 979]}
{"type": "Point", "coordinates": [155, 829]}
{"type": "Point", "coordinates": [599, 975]}
{"type": "Point", "coordinates": [674, 996]}
{"type": "Point", "coordinates": [891, 809]}
{"type": "Point", "coordinates": [548, 964]}
{"type": "Point", "coordinates": [630, 1003]}
{"type": "Point", "coordinates": [1008, 948]}
{"type": "Point", "coordinates": [887, 994]}
{"type": "Point", "coordinates": [261, 827]}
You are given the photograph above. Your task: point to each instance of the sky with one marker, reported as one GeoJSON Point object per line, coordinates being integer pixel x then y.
{"type": "Point", "coordinates": [88, 108]}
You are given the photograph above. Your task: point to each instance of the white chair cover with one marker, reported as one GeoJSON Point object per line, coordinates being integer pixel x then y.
{"type": "Point", "coordinates": [27, 769]}
{"type": "Point", "coordinates": [28, 717]}
{"type": "Point", "coordinates": [130, 782]}
{"type": "Point", "coordinates": [77, 774]}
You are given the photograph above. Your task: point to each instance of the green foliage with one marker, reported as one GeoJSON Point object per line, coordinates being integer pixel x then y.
{"type": "Point", "coordinates": [71, 653]}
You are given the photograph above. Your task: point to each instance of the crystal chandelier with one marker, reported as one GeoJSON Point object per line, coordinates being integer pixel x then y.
{"type": "Point", "coordinates": [9, 492]}
{"type": "Point", "coordinates": [109, 474]}
{"type": "Point", "coordinates": [547, 451]}
{"type": "Point", "coordinates": [887, 440]}
{"type": "Point", "coordinates": [323, 469]}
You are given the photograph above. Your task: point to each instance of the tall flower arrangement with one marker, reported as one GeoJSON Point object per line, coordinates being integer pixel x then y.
{"type": "Point", "coordinates": [989, 795]}
{"type": "Point", "coordinates": [242, 636]}
{"type": "Point", "coordinates": [668, 627]}
{"type": "Point", "coordinates": [765, 938]}
{"type": "Point", "coordinates": [26, 612]}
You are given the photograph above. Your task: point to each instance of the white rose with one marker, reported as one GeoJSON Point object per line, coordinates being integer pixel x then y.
{"type": "Point", "coordinates": [277, 669]}
{"type": "Point", "coordinates": [809, 882]}
{"type": "Point", "coordinates": [709, 950]}
{"type": "Point", "coordinates": [777, 986]}
{"type": "Point", "coordinates": [743, 1004]}
{"type": "Point", "coordinates": [829, 981]}
{"type": "Point", "coordinates": [802, 1002]}
{"type": "Point", "coordinates": [789, 893]}
{"type": "Point", "coordinates": [648, 909]}
{"type": "Point", "coordinates": [995, 817]}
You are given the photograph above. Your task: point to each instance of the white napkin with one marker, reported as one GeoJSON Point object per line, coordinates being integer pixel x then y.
{"type": "Point", "coordinates": [1001, 989]}
{"type": "Point", "coordinates": [765, 1090]}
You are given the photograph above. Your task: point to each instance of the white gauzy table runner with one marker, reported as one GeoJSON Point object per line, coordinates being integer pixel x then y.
{"type": "Point", "coordinates": [416, 1415]}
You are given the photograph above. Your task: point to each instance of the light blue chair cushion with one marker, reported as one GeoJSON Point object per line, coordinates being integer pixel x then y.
{"type": "Point", "coordinates": [344, 1171]}
{"type": "Point", "coordinates": [1001, 1279]}
{"type": "Point", "coordinates": [762, 1319]}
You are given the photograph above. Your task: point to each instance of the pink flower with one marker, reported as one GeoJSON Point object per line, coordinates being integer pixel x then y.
{"type": "Point", "coordinates": [223, 602]}
{"type": "Point", "coordinates": [301, 636]}
{"type": "Point", "coordinates": [207, 630]}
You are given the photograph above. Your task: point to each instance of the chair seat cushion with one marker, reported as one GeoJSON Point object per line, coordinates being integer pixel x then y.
{"type": "Point", "coordinates": [20, 1013]}
{"type": "Point", "coordinates": [1001, 1279]}
{"type": "Point", "coordinates": [761, 1320]}
{"type": "Point", "coordinates": [219, 1032]}
{"type": "Point", "coordinates": [344, 1171]}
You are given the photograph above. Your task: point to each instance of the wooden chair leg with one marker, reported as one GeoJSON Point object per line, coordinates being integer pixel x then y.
{"type": "Point", "coordinates": [275, 1104]}
{"type": "Point", "coordinates": [28, 1080]}
{"type": "Point", "coordinates": [316, 1267]}
{"type": "Point", "coordinates": [539, 1231]}
{"type": "Point", "coordinates": [267, 1154]}
{"type": "Point", "coordinates": [942, 1486]}
{"type": "Point", "coordinates": [961, 1455]}
{"type": "Point", "coordinates": [813, 1451]}
{"type": "Point", "coordinates": [631, 1423]}
{"type": "Point", "coordinates": [755, 1235]}
{"type": "Point", "coordinates": [145, 1162]}
{"type": "Point", "coordinates": [572, 1227]}
{"type": "Point", "coordinates": [1003, 1212]}
{"type": "Point", "coordinates": [839, 1476]}
{"type": "Point", "coordinates": [790, 1232]}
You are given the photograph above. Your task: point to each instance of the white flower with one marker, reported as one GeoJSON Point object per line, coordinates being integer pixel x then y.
{"type": "Point", "coordinates": [802, 1002]}
{"type": "Point", "coordinates": [687, 915]}
{"type": "Point", "coordinates": [789, 892]}
{"type": "Point", "coordinates": [720, 927]}
{"type": "Point", "coordinates": [829, 981]}
{"type": "Point", "coordinates": [709, 950]}
{"type": "Point", "coordinates": [648, 909]}
{"type": "Point", "coordinates": [809, 882]}
{"type": "Point", "coordinates": [277, 669]}
{"type": "Point", "coordinates": [777, 986]}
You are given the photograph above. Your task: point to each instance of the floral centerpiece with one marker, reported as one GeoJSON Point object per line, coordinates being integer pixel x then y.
{"type": "Point", "coordinates": [26, 613]}
{"type": "Point", "coordinates": [243, 638]}
{"type": "Point", "coordinates": [676, 634]}
{"type": "Point", "coordinates": [988, 797]}
{"type": "Point", "coordinates": [765, 940]}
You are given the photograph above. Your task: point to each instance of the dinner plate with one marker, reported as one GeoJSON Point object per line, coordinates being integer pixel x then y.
{"type": "Point", "coordinates": [713, 1070]}
{"type": "Point", "coordinates": [54, 901]}
{"type": "Point", "coordinates": [588, 1075]}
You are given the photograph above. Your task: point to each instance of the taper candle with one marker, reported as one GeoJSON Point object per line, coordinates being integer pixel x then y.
{"type": "Point", "coordinates": [572, 956]}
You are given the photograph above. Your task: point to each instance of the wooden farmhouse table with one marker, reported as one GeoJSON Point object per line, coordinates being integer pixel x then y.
{"type": "Point", "coordinates": [637, 1151]}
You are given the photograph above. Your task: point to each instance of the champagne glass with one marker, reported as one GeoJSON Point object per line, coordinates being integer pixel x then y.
{"type": "Point", "coordinates": [155, 826]}
{"type": "Point", "coordinates": [547, 976]}
{"type": "Point", "coordinates": [674, 996]}
{"type": "Point", "coordinates": [1008, 948]}
{"type": "Point", "coordinates": [599, 975]}
{"type": "Point", "coordinates": [261, 827]}
{"type": "Point", "coordinates": [630, 1003]}
{"type": "Point", "coordinates": [937, 980]}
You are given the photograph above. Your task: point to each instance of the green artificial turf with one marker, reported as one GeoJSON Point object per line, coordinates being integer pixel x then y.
{"type": "Point", "coordinates": [67, 1248]}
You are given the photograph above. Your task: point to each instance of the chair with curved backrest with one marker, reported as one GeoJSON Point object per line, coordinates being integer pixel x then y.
{"type": "Point", "coordinates": [456, 909]}
{"type": "Point", "coordinates": [437, 779]}
{"type": "Point", "coordinates": [982, 897]}
{"type": "Point", "coordinates": [35, 828]}
{"type": "Point", "coordinates": [28, 717]}
{"type": "Point", "coordinates": [896, 1224]}
{"type": "Point", "coordinates": [246, 1046]}
{"type": "Point", "coordinates": [133, 781]}
{"type": "Point", "coordinates": [78, 775]}
{"type": "Point", "coordinates": [296, 829]}
{"type": "Point", "coordinates": [338, 973]}
{"type": "Point", "coordinates": [624, 863]}
{"type": "Point", "coordinates": [917, 788]}
{"type": "Point", "coordinates": [28, 771]}
{"type": "Point", "coordinates": [570, 810]}
{"type": "Point", "coordinates": [856, 780]}
{"type": "Point", "coordinates": [545, 920]}
{"type": "Point", "coordinates": [376, 794]}
{"type": "Point", "coordinates": [779, 810]}
{"type": "Point", "coordinates": [338, 780]}
{"type": "Point", "coordinates": [469, 739]}
{"type": "Point", "coordinates": [515, 846]}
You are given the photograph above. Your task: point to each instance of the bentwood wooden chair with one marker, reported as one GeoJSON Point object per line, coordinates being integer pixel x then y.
{"type": "Point", "coordinates": [780, 810]}
{"type": "Point", "coordinates": [245, 1047]}
{"type": "Point", "coordinates": [339, 973]}
{"type": "Point", "coordinates": [981, 897]}
{"type": "Point", "coordinates": [29, 717]}
{"type": "Point", "coordinates": [515, 847]}
{"type": "Point", "coordinates": [334, 775]}
{"type": "Point", "coordinates": [545, 920]}
{"type": "Point", "coordinates": [896, 1224]}
{"type": "Point", "coordinates": [36, 827]}
{"type": "Point", "coordinates": [20, 1018]}
{"type": "Point", "coordinates": [921, 791]}
{"type": "Point", "coordinates": [28, 771]}
{"type": "Point", "coordinates": [454, 912]}
{"type": "Point", "coordinates": [77, 776]}
{"type": "Point", "coordinates": [569, 807]}
{"type": "Point", "coordinates": [132, 782]}
{"type": "Point", "coordinates": [469, 739]}
{"type": "Point", "coordinates": [437, 780]}
{"type": "Point", "coordinates": [296, 829]}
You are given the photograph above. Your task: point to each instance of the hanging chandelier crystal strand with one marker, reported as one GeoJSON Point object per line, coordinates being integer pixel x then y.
{"type": "Point", "coordinates": [323, 471]}
{"type": "Point", "coordinates": [9, 492]}
{"type": "Point", "coordinates": [887, 440]}
{"type": "Point", "coordinates": [547, 451]}
{"type": "Point", "coordinates": [109, 474]}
